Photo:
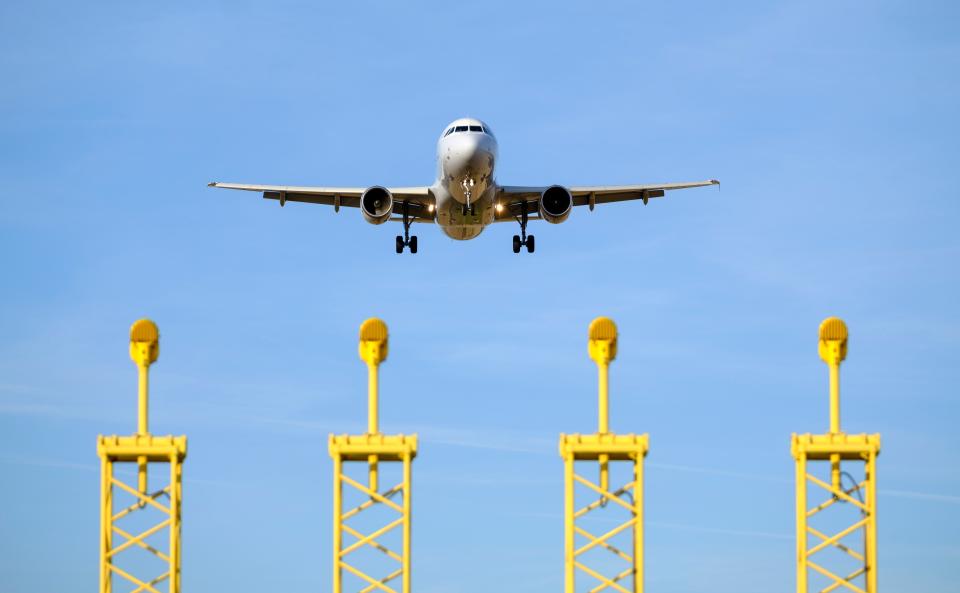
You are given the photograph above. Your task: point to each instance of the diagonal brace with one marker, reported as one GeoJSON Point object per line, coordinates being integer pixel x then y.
{"type": "Point", "coordinates": [837, 579]}
{"type": "Point", "coordinates": [138, 540]}
{"type": "Point", "coordinates": [373, 544]}
{"type": "Point", "coordinates": [600, 577]}
{"type": "Point", "coordinates": [142, 585]}
{"type": "Point", "coordinates": [836, 492]}
{"type": "Point", "coordinates": [371, 539]}
{"type": "Point", "coordinates": [149, 499]}
{"type": "Point", "coordinates": [369, 503]}
{"type": "Point", "coordinates": [602, 492]}
{"type": "Point", "coordinates": [375, 495]}
{"type": "Point", "coordinates": [381, 584]}
{"type": "Point", "coordinates": [384, 580]}
{"type": "Point", "coordinates": [599, 502]}
{"type": "Point", "coordinates": [846, 549]}
{"type": "Point", "coordinates": [602, 540]}
{"type": "Point", "coordinates": [836, 538]}
{"type": "Point", "coordinates": [616, 579]}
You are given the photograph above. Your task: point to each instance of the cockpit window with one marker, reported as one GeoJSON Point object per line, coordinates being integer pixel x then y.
{"type": "Point", "coordinates": [460, 129]}
{"type": "Point", "coordinates": [476, 129]}
{"type": "Point", "coordinates": [448, 132]}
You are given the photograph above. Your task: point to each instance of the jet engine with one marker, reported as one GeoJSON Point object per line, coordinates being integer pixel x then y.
{"type": "Point", "coordinates": [555, 204]}
{"type": "Point", "coordinates": [376, 204]}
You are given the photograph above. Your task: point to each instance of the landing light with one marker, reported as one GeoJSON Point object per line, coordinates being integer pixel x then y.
{"type": "Point", "coordinates": [430, 208]}
{"type": "Point", "coordinates": [499, 208]}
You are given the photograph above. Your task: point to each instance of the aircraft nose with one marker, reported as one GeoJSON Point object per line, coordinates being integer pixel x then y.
{"type": "Point", "coordinates": [470, 151]}
{"type": "Point", "coordinates": [466, 146]}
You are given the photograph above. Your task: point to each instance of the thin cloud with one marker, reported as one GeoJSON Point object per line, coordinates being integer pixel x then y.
{"type": "Point", "coordinates": [90, 467]}
{"type": "Point", "coordinates": [675, 526]}
{"type": "Point", "coordinates": [717, 472]}
{"type": "Point", "coordinates": [948, 498]}
{"type": "Point", "coordinates": [721, 530]}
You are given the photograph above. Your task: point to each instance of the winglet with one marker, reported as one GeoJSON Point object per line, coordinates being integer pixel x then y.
{"type": "Point", "coordinates": [212, 184]}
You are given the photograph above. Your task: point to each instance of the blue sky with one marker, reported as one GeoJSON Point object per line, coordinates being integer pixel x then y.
{"type": "Point", "coordinates": [831, 124]}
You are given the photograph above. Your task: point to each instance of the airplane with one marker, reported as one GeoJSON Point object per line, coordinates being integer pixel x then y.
{"type": "Point", "coordinates": [465, 198]}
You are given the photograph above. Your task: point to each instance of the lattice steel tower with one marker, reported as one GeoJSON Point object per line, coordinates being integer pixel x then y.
{"type": "Point", "coordinates": [393, 503]}
{"type": "Point", "coordinates": [144, 510]}
{"type": "Point", "coordinates": [848, 510]}
{"type": "Point", "coordinates": [598, 451]}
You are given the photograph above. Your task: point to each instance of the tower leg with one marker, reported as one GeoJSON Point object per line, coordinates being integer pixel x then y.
{"type": "Point", "coordinates": [568, 519]}
{"type": "Point", "coordinates": [337, 518]}
{"type": "Point", "coordinates": [870, 541]}
{"type": "Point", "coordinates": [106, 522]}
{"type": "Point", "coordinates": [176, 490]}
{"type": "Point", "coordinates": [407, 479]}
{"type": "Point", "coordinates": [638, 525]}
{"type": "Point", "coordinates": [801, 497]}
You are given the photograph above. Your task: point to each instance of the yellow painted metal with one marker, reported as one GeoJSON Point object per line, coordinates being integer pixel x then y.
{"type": "Point", "coordinates": [144, 450]}
{"type": "Point", "coordinates": [832, 347]}
{"type": "Point", "coordinates": [372, 448]}
{"type": "Point", "coordinates": [373, 351]}
{"type": "Point", "coordinates": [144, 350]}
{"type": "Point", "coordinates": [602, 348]}
{"type": "Point", "coordinates": [603, 448]}
{"type": "Point", "coordinates": [858, 502]}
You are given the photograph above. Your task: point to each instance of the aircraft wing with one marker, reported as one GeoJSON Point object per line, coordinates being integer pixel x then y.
{"type": "Point", "coordinates": [513, 197]}
{"type": "Point", "coordinates": [419, 198]}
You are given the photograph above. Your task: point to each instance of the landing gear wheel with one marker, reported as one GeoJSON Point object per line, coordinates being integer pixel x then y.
{"type": "Point", "coordinates": [399, 244]}
{"type": "Point", "coordinates": [473, 210]}
{"type": "Point", "coordinates": [530, 244]}
{"type": "Point", "coordinates": [516, 243]}
{"type": "Point", "coordinates": [413, 244]}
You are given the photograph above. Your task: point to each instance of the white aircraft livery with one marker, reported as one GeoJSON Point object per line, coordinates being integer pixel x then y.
{"type": "Point", "coordinates": [465, 198]}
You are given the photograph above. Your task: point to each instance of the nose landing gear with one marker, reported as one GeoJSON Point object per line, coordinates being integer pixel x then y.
{"type": "Point", "coordinates": [467, 186]}
{"type": "Point", "coordinates": [523, 239]}
{"type": "Point", "coordinates": [406, 240]}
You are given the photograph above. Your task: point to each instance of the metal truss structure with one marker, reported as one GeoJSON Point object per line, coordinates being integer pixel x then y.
{"type": "Point", "coordinates": [142, 451]}
{"type": "Point", "coordinates": [853, 543]}
{"type": "Point", "coordinates": [609, 447]}
{"type": "Point", "coordinates": [599, 450]}
{"type": "Point", "coordinates": [134, 450]}
{"type": "Point", "coordinates": [372, 449]}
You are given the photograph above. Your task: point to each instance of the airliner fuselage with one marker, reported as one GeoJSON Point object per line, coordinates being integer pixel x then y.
{"type": "Point", "coordinates": [465, 190]}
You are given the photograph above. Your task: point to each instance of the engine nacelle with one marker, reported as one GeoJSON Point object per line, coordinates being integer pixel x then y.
{"type": "Point", "coordinates": [376, 204]}
{"type": "Point", "coordinates": [556, 202]}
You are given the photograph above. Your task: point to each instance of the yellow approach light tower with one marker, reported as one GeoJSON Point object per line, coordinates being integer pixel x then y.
{"type": "Point", "coordinates": [601, 451]}
{"type": "Point", "coordinates": [844, 488]}
{"type": "Point", "coordinates": [125, 508]}
{"type": "Point", "coordinates": [376, 451]}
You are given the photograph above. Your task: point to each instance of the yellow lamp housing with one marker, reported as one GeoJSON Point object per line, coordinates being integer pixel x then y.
{"type": "Point", "coordinates": [144, 342]}
{"type": "Point", "coordinates": [373, 341]}
{"type": "Point", "coordinates": [833, 340]}
{"type": "Point", "coordinates": [602, 340]}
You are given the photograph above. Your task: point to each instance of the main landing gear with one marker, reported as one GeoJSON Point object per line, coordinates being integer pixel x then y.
{"type": "Point", "coordinates": [523, 239]}
{"type": "Point", "coordinates": [406, 240]}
